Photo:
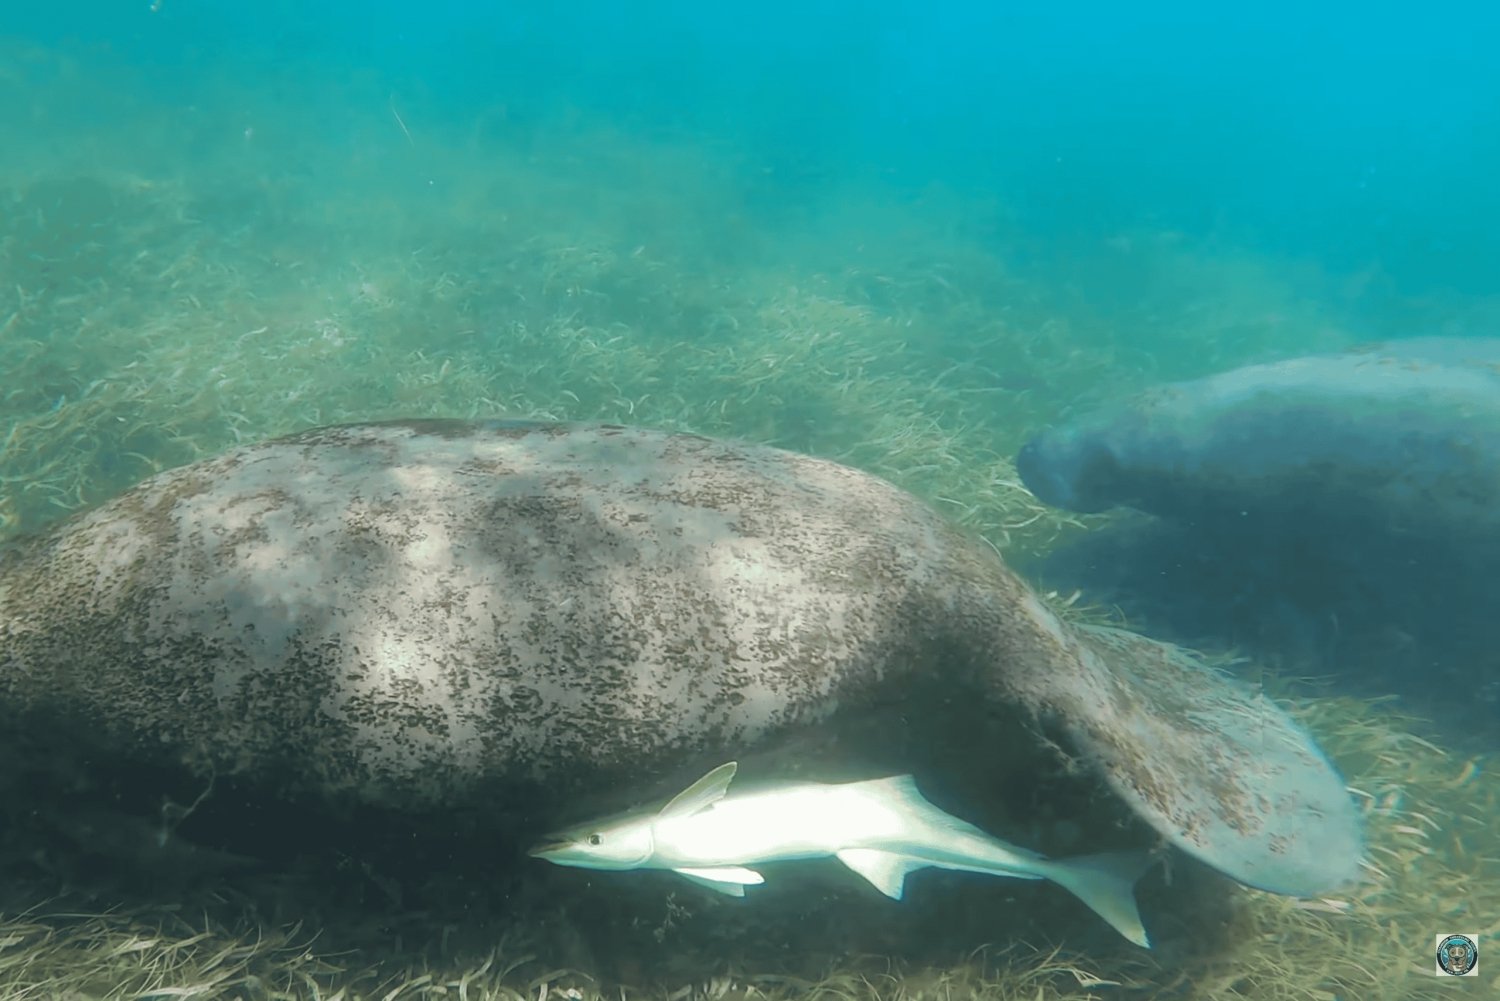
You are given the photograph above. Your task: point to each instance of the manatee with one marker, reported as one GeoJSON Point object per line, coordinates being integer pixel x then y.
{"type": "Point", "coordinates": [1400, 438]}
{"type": "Point", "coordinates": [419, 614]}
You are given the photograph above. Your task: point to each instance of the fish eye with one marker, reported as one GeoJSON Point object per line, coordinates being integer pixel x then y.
{"type": "Point", "coordinates": [595, 840]}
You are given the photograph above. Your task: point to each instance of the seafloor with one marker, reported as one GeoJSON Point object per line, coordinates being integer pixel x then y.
{"type": "Point", "coordinates": [177, 279]}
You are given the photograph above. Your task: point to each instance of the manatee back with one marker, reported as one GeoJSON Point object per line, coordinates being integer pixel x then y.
{"type": "Point", "coordinates": [400, 610]}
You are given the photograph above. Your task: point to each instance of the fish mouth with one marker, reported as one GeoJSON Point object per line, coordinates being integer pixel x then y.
{"type": "Point", "coordinates": [549, 846]}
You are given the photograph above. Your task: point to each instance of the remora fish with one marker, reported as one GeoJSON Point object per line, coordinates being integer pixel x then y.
{"type": "Point", "coordinates": [883, 829]}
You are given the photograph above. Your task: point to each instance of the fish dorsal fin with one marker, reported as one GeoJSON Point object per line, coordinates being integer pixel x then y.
{"type": "Point", "coordinates": [902, 788]}
{"type": "Point", "coordinates": [701, 794]}
{"type": "Point", "coordinates": [887, 871]}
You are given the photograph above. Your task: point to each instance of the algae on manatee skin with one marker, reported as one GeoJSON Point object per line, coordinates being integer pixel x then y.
{"type": "Point", "coordinates": [162, 317]}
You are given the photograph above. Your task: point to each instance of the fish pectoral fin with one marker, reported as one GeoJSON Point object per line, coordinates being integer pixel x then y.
{"type": "Point", "coordinates": [701, 794]}
{"type": "Point", "coordinates": [887, 871]}
{"type": "Point", "coordinates": [727, 879]}
{"type": "Point", "coordinates": [728, 889]}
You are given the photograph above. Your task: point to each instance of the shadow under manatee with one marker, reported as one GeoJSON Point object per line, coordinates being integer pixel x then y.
{"type": "Point", "coordinates": [127, 836]}
{"type": "Point", "coordinates": [1369, 612]}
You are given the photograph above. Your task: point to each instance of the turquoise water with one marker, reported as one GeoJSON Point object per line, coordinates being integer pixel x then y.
{"type": "Point", "coordinates": [904, 237]}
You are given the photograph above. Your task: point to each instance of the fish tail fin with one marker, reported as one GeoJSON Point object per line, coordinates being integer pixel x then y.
{"type": "Point", "coordinates": [1106, 883]}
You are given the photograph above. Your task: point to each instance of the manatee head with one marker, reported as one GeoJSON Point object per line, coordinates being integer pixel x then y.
{"type": "Point", "coordinates": [1074, 468]}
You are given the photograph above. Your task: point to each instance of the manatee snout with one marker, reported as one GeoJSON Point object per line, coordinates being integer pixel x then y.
{"type": "Point", "coordinates": [1071, 471]}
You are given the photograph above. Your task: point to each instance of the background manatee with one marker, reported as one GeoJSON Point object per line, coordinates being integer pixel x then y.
{"type": "Point", "coordinates": [1403, 436]}
{"type": "Point", "coordinates": [436, 614]}
{"type": "Point", "coordinates": [1331, 513]}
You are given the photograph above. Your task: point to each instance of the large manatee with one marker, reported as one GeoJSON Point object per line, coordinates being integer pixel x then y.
{"type": "Point", "coordinates": [1400, 438]}
{"type": "Point", "coordinates": [415, 614]}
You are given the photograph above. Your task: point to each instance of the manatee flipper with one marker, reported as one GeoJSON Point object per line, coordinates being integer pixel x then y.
{"type": "Point", "coordinates": [1218, 768]}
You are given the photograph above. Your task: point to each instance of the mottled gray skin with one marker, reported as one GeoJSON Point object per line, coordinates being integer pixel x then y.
{"type": "Point", "coordinates": [1403, 438]}
{"type": "Point", "coordinates": [403, 614]}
